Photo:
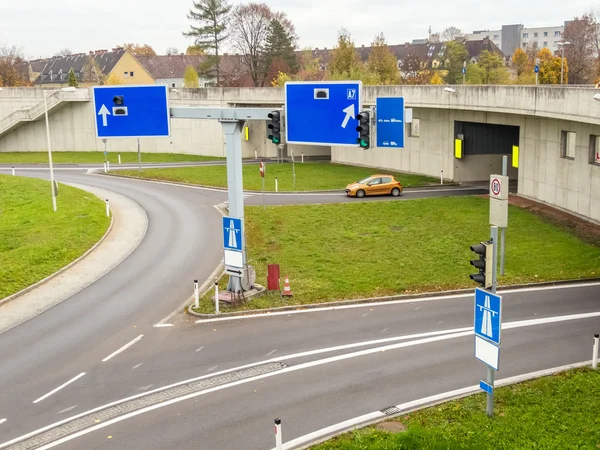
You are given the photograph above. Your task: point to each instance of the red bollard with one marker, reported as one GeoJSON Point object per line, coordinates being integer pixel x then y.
{"type": "Point", "coordinates": [273, 277]}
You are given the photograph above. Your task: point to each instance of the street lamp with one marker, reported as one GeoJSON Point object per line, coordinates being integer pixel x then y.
{"type": "Point", "coordinates": [562, 58]}
{"type": "Point", "coordinates": [52, 186]}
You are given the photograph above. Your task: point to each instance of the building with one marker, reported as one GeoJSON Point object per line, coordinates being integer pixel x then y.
{"type": "Point", "coordinates": [170, 69]}
{"type": "Point", "coordinates": [511, 37]}
{"type": "Point", "coordinates": [118, 66]}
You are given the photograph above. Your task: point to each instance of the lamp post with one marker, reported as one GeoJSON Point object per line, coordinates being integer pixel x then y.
{"type": "Point", "coordinates": [67, 89]}
{"type": "Point", "coordinates": [562, 58]}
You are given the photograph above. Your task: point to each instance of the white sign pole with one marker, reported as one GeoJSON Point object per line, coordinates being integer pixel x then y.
{"type": "Point", "coordinates": [503, 229]}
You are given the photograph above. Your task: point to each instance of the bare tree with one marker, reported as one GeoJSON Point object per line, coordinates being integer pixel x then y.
{"type": "Point", "coordinates": [250, 24]}
{"type": "Point", "coordinates": [64, 52]}
{"type": "Point", "coordinates": [11, 66]}
{"type": "Point", "coordinates": [451, 33]}
{"type": "Point", "coordinates": [172, 51]}
{"type": "Point", "coordinates": [580, 53]}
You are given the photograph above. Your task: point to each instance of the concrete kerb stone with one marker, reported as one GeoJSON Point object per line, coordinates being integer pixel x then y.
{"type": "Point", "coordinates": [128, 227]}
{"type": "Point", "coordinates": [386, 299]}
{"type": "Point", "coordinates": [429, 402]}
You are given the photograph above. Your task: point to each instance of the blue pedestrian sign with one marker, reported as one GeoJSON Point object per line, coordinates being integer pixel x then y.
{"type": "Point", "coordinates": [132, 111]}
{"type": "Point", "coordinates": [488, 315]}
{"type": "Point", "coordinates": [322, 112]}
{"type": "Point", "coordinates": [390, 121]}
{"type": "Point", "coordinates": [232, 233]}
{"type": "Point", "coordinates": [486, 387]}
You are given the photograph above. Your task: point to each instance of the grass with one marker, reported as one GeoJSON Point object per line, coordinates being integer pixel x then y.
{"type": "Point", "coordinates": [357, 250]}
{"type": "Point", "coordinates": [556, 412]}
{"type": "Point", "coordinates": [35, 242]}
{"type": "Point", "coordinates": [96, 157]}
{"type": "Point", "coordinates": [309, 176]}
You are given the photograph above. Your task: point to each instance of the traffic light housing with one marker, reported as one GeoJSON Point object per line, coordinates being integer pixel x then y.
{"type": "Point", "coordinates": [485, 251]}
{"type": "Point", "coordinates": [364, 129]}
{"type": "Point", "coordinates": [275, 127]}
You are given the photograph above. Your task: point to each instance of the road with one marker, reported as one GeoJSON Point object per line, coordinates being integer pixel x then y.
{"type": "Point", "coordinates": [74, 337]}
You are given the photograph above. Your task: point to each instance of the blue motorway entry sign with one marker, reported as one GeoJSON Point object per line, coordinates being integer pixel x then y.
{"type": "Point", "coordinates": [322, 112]}
{"type": "Point", "coordinates": [232, 233]}
{"type": "Point", "coordinates": [488, 315]}
{"type": "Point", "coordinates": [390, 121]}
{"type": "Point", "coordinates": [132, 111]}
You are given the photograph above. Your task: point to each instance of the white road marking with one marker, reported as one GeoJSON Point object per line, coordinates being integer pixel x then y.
{"type": "Point", "coordinates": [365, 315]}
{"type": "Point", "coordinates": [2, 421]}
{"type": "Point", "coordinates": [271, 352]}
{"type": "Point", "coordinates": [162, 325]}
{"type": "Point", "coordinates": [199, 349]}
{"type": "Point", "coordinates": [384, 330]}
{"type": "Point", "coordinates": [394, 302]}
{"type": "Point", "coordinates": [145, 388]}
{"type": "Point", "coordinates": [210, 369]}
{"type": "Point", "coordinates": [137, 365]}
{"type": "Point", "coordinates": [59, 388]}
{"type": "Point", "coordinates": [286, 370]}
{"type": "Point", "coordinates": [377, 416]}
{"type": "Point", "coordinates": [67, 409]}
{"type": "Point", "coordinates": [122, 349]}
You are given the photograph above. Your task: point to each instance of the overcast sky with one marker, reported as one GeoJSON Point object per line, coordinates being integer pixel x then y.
{"type": "Point", "coordinates": [41, 28]}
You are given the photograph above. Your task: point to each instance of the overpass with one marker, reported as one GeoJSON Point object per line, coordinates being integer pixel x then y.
{"type": "Point", "coordinates": [554, 130]}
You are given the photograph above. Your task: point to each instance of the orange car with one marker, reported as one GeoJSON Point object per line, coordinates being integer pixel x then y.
{"type": "Point", "coordinates": [375, 185]}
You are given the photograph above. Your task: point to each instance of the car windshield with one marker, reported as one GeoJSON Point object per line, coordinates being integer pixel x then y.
{"type": "Point", "coordinates": [364, 181]}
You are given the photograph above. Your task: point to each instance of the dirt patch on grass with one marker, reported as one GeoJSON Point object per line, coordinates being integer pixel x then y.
{"type": "Point", "coordinates": [584, 230]}
{"type": "Point", "coordinates": [391, 427]}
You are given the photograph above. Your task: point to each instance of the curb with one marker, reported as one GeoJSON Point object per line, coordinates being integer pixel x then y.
{"type": "Point", "coordinates": [387, 298]}
{"type": "Point", "coordinates": [62, 270]}
{"type": "Point", "coordinates": [219, 188]}
{"type": "Point", "coordinates": [305, 442]}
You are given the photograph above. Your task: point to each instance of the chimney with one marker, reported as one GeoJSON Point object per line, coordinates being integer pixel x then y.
{"type": "Point", "coordinates": [115, 49]}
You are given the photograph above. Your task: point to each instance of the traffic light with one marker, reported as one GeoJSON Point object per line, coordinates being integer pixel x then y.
{"type": "Point", "coordinates": [364, 128]}
{"type": "Point", "coordinates": [275, 127]}
{"type": "Point", "coordinates": [485, 250]}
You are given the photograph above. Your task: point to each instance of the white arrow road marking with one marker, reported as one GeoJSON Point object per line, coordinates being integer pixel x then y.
{"type": "Point", "coordinates": [349, 114]}
{"type": "Point", "coordinates": [104, 112]}
{"type": "Point", "coordinates": [2, 421]}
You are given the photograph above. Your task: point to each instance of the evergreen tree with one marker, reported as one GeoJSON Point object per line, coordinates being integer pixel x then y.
{"type": "Point", "coordinates": [72, 80]}
{"type": "Point", "coordinates": [279, 55]}
{"type": "Point", "coordinates": [212, 17]}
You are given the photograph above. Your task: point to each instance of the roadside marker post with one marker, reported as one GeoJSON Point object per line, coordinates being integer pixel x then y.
{"type": "Point", "coordinates": [13, 171]}
{"type": "Point", "coordinates": [119, 155]}
{"type": "Point", "coordinates": [216, 297]}
{"type": "Point", "coordinates": [196, 295]}
{"type": "Point", "coordinates": [595, 355]}
{"type": "Point", "coordinates": [276, 185]}
{"type": "Point", "coordinates": [262, 170]}
{"type": "Point", "coordinates": [278, 436]}
{"type": "Point", "coordinates": [107, 208]}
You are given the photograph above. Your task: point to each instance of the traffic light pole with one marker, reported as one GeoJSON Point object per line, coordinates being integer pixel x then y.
{"type": "Point", "coordinates": [490, 371]}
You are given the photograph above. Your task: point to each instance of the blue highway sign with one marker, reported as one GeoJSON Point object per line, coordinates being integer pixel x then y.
{"type": "Point", "coordinates": [486, 387]}
{"type": "Point", "coordinates": [131, 111]}
{"type": "Point", "coordinates": [488, 315]}
{"type": "Point", "coordinates": [322, 112]}
{"type": "Point", "coordinates": [390, 122]}
{"type": "Point", "coordinates": [232, 233]}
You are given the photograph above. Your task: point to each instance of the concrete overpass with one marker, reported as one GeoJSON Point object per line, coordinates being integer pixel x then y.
{"type": "Point", "coordinates": [556, 130]}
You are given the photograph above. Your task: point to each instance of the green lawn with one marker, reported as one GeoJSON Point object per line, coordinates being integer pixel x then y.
{"type": "Point", "coordinates": [357, 250]}
{"type": "Point", "coordinates": [557, 412]}
{"type": "Point", "coordinates": [96, 157]}
{"type": "Point", "coordinates": [35, 242]}
{"type": "Point", "coordinates": [309, 176]}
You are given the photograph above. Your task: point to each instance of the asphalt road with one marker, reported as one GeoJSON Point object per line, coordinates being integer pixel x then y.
{"type": "Point", "coordinates": [182, 244]}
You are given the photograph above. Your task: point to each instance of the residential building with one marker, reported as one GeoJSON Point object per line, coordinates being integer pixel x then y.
{"type": "Point", "coordinates": [170, 69]}
{"type": "Point", "coordinates": [119, 65]}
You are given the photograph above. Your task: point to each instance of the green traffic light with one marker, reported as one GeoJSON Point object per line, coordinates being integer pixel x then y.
{"type": "Point", "coordinates": [275, 141]}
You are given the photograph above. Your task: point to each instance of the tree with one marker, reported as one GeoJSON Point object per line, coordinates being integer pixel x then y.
{"type": "Point", "coordinates": [474, 74]}
{"type": "Point", "coordinates": [194, 50]}
{"type": "Point", "coordinates": [382, 62]}
{"type": "Point", "coordinates": [72, 80]}
{"type": "Point", "coordinates": [550, 68]}
{"type": "Point", "coordinates": [280, 79]}
{"type": "Point", "coordinates": [412, 66]}
{"type": "Point", "coordinates": [436, 78]}
{"type": "Point", "coordinates": [172, 51]}
{"type": "Point", "coordinates": [113, 80]}
{"type": "Point", "coordinates": [450, 33]}
{"type": "Point", "coordinates": [92, 73]}
{"type": "Point", "coordinates": [11, 64]}
{"type": "Point", "coordinates": [456, 54]}
{"type": "Point", "coordinates": [310, 67]}
{"type": "Point", "coordinates": [212, 17]}
{"type": "Point", "coordinates": [581, 33]}
{"type": "Point", "coordinates": [492, 67]}
{"type": "Point", "coordinates": [190, 77]}
{"type": "Point", "coordinates": [344, 58]}
{"type": "Point", "coordinates": [250, 25]}
{"type": "Point", "coordinates": [521, 62]}
{"type": "Point", "coordinates": [140, 50]}
{"type": "Point", "coordinates": [279, 55]}
{"type": "Point", "coordinates": [64, 52]}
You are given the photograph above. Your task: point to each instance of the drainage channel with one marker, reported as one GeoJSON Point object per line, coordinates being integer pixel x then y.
{"type": "Point", "coordinates": [88, 421]}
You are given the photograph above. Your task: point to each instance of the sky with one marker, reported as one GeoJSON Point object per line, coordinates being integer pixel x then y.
{"type": "Point", "coordinates": [41, 29]}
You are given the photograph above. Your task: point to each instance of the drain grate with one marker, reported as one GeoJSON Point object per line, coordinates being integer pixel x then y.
{"type": "Point", "coordinates": [391, 410]}
{"type": "Point", "coordinates": [90, 420]}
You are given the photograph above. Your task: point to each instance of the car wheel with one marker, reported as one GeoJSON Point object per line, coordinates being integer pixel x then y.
{"type": "Point", "coordinates": [360, 193]}
{"type": "Point", "coordinates": [395, 192]}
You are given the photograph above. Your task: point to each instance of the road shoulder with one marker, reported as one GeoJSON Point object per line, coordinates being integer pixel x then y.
{"type": "Point", "coordinates": [126, 233]}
